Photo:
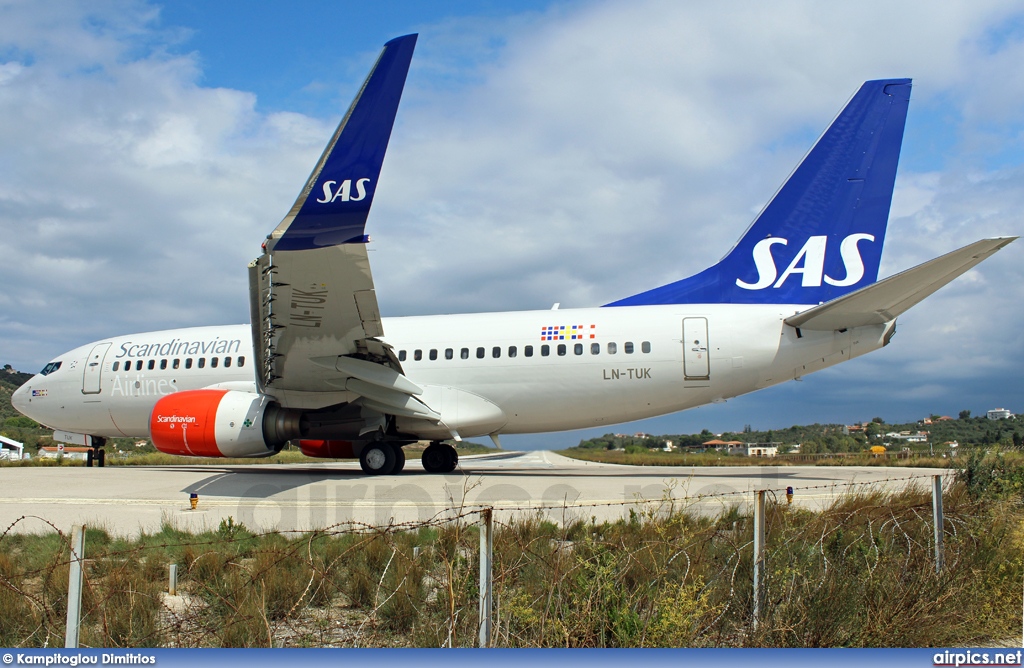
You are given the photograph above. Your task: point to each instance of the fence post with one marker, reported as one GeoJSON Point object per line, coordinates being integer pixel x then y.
{"type": "Point", "coordinates": [937, 521]}
{"type": "Point", "coordinates": [172, 585]}
{"type": "Point", "coordinates": [758, 554]}
{"type": "Point", "coordinates": [486, 556]}
{"type": "Point", "coordinates": [75, 587]}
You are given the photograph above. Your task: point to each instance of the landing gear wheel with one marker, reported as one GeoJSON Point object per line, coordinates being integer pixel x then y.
{"type": "Point", "coordinates": [377, 459]}
{"type": "Point", "coordinates": [399, 459]}
{"type": "Point", "coordinates": [101, 457]}
{"type": "Point", "coordinates": [440, 458]}
{"type": "Point", "coordinates": [89, 458]}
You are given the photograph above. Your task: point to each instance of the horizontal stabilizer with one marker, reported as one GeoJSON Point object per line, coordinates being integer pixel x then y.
{"type": "Point", "coordinates": [883, 301]}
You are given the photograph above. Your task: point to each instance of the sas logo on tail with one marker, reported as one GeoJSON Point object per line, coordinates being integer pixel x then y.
{"type": "Point", "coordinates": [809, 263]}
{"type": "Point", "coordinates": [344, 191]}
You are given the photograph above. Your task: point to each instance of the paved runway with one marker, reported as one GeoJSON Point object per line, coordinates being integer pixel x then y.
{"type": "Point", "coordinates": [127, 500]}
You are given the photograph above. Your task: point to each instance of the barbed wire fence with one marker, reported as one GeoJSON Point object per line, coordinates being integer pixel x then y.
{"type": "Point", "coordinates": [861, 572]}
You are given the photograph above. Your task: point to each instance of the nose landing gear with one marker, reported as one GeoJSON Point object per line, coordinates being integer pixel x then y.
{"type": "Point", "coordinates": [96, 452]}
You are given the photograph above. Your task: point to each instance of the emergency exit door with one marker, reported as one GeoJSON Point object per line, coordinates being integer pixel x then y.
{"type": "Point", "coordinates": [93, 367]}
{"type": "Point", "coordinates": [696, 365]}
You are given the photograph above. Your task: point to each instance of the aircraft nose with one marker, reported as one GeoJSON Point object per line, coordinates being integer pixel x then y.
{"type": "Point", "coordinates": [18, 399]}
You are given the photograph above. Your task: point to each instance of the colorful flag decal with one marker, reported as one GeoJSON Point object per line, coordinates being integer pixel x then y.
{"type": "Point", "coordinates": [572, 332]}
{"type": "Point", "coordinates": [38, 393]}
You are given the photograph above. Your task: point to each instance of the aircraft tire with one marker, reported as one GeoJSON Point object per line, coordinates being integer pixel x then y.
{"type": "Point", "coordinates": [399, 459]}
{"type": "Point", "coordinates": [453, 459]}
{"type": "Point", "coordinates": [101, 457]}
{"type": "Point", "coordinates": [88, 458]}
{"type": "Point", "coordinates": [440, 458]}
{"type": "Point", "coordinates": [377, 458]}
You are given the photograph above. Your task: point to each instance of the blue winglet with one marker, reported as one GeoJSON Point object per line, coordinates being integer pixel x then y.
{"type": "Point", "coordinates": [333, 207]}
{"type": "Point", "coordinates": [821, 236]}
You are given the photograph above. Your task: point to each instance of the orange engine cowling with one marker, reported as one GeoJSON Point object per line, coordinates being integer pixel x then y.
{"type": "Point", "coordinates": [333, 449]}
{"type": "Point", "coordinates": [221, 423]}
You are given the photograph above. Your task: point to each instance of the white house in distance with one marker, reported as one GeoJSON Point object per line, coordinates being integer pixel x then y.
{"type": "Point", "coordinates": [909, 437]}
{"type": "Point", "coordinates": [999, 414]}
{"type": "Point", "coordinates": [756, 449]}
{"type": "Point", "coordinates": [11, 449]}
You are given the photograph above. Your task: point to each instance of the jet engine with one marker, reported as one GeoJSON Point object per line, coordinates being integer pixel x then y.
{"type": "Point", "coordinates": [221, 423]}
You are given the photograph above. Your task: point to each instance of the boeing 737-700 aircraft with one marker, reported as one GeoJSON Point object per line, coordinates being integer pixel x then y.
{"type": "Point", "coordinates": [319, 365]}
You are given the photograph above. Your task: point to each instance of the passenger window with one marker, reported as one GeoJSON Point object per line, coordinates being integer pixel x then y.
{"type": "Point", "coordinates": [433, 353]}
{"type": "Point", "coordinates": [449, 354]}
{"type": "Point", "coordinates": [528, 351]}
{"type": "Point", "coordinates": [496, 352]}
{"type": "Point", "coordinates": [545, 350]}
{"type": "Point", "coordinates": [163, 364]}
{"type": "Point", "coordinates": [464, 353]}
{"type": "Point", "coordinates": [202, 362]}
{"type": "Point", "coordinates": [227, 362]}
{"type": "Point", "coordinates": [417, 355]}
{"type": "Point", "coordinates": [561, 349]}
{"type": "Point", "coordinates": [595, 348]}
{"type": "Point", "coordinates": [188, 363]}
{"type": "Point", "coordinates": [612, 348]}
{"type": "Point", "coordinates": [645, 346]}
{"type": "Point", "coordinates": [401, 355]}
{"type": "Point", "coordinates": [241, 361]}
{"type": "Point", "coordinates": [138, 365]}
{"type": "Point", "coordinates": [628, 348]}
{"type": "Point", "coordinates": [175, 364]}
{"type": "Point", "coordinates": [213, 362]}
{"type": "Point", "coordinates": [479, 353]}
{"type": "Point", "coordinates": [578, 349]}
{"type": "Point", "coordinates": [151, 365]}
{"type": "Point", "coordinates": [114, 368]}
{"type": "Point", "coordinates": [512, 351]}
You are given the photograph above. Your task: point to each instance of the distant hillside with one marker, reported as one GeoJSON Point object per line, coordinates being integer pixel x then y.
{"type": "Point", "coordinates": [12, 423]}
{"type": "Point", "coordinates": [966, 431]}
{"type": "Point", "coordinates": [10, 380]}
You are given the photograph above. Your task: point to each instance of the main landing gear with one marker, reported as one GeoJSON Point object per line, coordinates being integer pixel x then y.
{"type": "Point", "coordinates": [383, 458]}
{"type": "Point", "coordinates": [380, 458]}
{"type": "Point", "coordinates": [440, 458]}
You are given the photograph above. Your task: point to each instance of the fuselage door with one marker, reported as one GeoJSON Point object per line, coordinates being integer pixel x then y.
{"type": "Point", "coordinates": [695, 349]}
{"type": "Point", "coordinates": [93, 368]}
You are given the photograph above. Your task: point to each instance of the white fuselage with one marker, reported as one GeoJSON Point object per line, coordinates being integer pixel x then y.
{"type": "Point", "coordinates": [594, 380]}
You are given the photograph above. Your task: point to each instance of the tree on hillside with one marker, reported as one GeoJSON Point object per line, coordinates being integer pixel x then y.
{"type": "Point", "coordinates": [965, 415]}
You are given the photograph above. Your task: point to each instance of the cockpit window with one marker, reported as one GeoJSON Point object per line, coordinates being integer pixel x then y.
{"type": "Point", "coordinates": [49, 368]}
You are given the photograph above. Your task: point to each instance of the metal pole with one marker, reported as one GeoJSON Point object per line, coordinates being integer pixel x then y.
{"type": "Point", "coordinates": [486, 556]}
{"type": "Point", "coordinates": [758, 554]}
{"type": "Point", "coordinates": [937, 521]}
{"type": "Point", "coordinates": [172, 586]}
{"type": "Point", "coordinates": [75, 587]}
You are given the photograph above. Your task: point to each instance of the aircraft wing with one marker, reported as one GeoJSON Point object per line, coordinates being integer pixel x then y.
{"type": "Point", "coordinates": [883, 301]}
{"type": "Point", "coordinates": [312, 298]}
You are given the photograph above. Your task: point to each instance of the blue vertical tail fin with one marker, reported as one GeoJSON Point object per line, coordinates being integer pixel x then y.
{"type": "Point", "coordinates": [821, 236]}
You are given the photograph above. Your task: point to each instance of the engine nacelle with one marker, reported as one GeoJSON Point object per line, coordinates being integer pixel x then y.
{"type": "Point", "coordinates": [221, 423]}
{"type": "Point", "coordinates": [332, 449]}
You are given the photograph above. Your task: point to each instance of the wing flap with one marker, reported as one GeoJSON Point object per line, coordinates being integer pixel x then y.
{"type": "Point", "coordinates": [883, 301]}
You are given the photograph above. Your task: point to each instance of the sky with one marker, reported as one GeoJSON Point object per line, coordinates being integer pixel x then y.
{"type": "Point", "coordinates": [545, 151]}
